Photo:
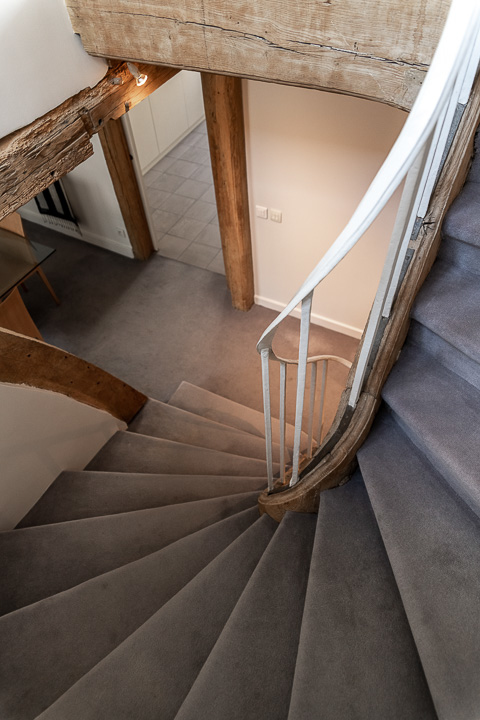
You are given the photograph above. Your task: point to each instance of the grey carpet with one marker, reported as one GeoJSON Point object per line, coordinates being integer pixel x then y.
{"type": "Point", "coordinates": [258, 646]}
{"type": "Point", "coordinates": [46, 647]}
{"type": "Point", "coordinates": [433, 542]}
{"type": "Point", "coordinates": [151, 672]}
{"type": "Point", "coordinates": [172, 423]}
{"type": "Point", "coordinates": [38, 562]}
{"type": "Point", "coordinates": [84, 494]}
{"type": "Point", "coordinates": [130, 452]}
{"type": "Point", "coordinates": [357, 659]}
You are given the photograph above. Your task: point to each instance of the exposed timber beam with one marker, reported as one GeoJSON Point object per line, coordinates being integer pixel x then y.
{"type": "Point", "coordinates": [34, 156]}
{"type": "Point", "coordinates": [120, 166]}
{"type": "Point", "coordinates": [226, 135]}
{"type": "Point", "coordinates": [372, 49]}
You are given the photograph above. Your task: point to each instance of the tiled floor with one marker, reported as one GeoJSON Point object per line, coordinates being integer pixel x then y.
{"type": "Point", "coordinates": [182, 201]}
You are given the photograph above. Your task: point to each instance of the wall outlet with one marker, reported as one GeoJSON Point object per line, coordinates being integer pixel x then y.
{"type": "Point", "coordinates": [121, 233]}
{"type": "Point", "coordinates": [276, 215]}
{"type": "Point", "coordinates": [261, 212]}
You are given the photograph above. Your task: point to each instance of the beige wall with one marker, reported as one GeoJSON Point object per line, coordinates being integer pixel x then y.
{"type": "Point", "coordinates": [312, 155]}
{"type": "Point", "coordinates": [41, 434]}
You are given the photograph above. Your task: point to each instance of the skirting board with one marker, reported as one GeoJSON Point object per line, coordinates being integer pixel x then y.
{"type": "Point", "coordinates": [89, 237]}
{"type": "Point", "coordinates": [316, 319]}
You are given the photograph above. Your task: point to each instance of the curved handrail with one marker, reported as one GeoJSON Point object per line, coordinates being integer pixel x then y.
{"type": "Point", "coordinates": [460, 30]}
{"type": "Point", "coordinates": [317, 358]}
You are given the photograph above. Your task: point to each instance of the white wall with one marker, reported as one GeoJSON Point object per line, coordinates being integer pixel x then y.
{"type": "Point", "coordinates": [43, 433]}
{"type": "Point", "coordinates": [160, 121]}
{"type": "Point", "coordinates": [90, 191]}
{"type": "Point", "coordinates": [43, 62]}
{"type": "Point", "coordinates": [312, 155]}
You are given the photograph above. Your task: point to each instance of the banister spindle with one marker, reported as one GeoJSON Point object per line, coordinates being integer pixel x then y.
{"type": "Point", "coordinates": [323, 388]}
{"type": "Point", "coordinates": [311, 408]}
{"type": "Point", "coordinates": [267, 410]}
{"type": "Point", "coordinates": [283, 404]}
{"type": "Point", "coordinates": [301, 379]}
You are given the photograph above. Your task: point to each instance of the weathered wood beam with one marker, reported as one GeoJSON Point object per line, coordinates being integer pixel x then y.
{"type": "Point", "coordinates": [372, 49]}
{"type": "Point", "coordinates": [223, 102]}
{"type": "Point", "coordinates": [25, 361]}
{"type": "Point", "coordinates": [34, 156]}
{"type": "Point", "coordinates": [120, 166]}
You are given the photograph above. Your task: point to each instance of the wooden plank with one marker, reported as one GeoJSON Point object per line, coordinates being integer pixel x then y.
{"type": "Point", "coordinates": [120, 166]}
{"type": "Point", "coordinates": [25, 361]}
{"type": "Point", "coordinates": [226, 135]}
{"type": "Point", "coordinates": [15, 316]}
{"type": "Point", "coordinates": [377, 50]}
{"type": "Point", "coordinates": [34, 156]}
{"type": "Point", "coordinates": [336, 467]}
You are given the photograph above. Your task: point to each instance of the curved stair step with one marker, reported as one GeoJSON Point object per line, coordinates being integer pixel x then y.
{"type": "Point", "coordinates": [129, 452]}
{"type": "Point", "coordinates": [249, 672]}
{"type": "Point", "coordinates": [161, 420]}
{"type": "Point", "coordinates": [151, 672]}
{"type": "Point", "coordinates": [356, 657]}
{"type": "Point", "coordinates": [41, 561]}
{"type": "Point", "coordinates": [85, 494]}
{"type": "Point", "coordinates": [433, 543]}
{"type": "Point", "coordinates": [46, 647]}
{"type": "Point", "coordinates": [215, 407]}
{"type": "Point", "coordinates": [462, 221]}
{"type": "Point", "coordinates": [440, 413]}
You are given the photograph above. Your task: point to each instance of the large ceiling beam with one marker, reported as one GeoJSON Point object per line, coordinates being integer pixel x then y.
{"type": "Point", "coordinates": [378, 50]}
{"type": "Point", "coordinates": [34, 156]}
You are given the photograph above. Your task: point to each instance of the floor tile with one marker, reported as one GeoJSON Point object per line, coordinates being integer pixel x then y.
{"type": "Point", "coordinates": [150, 177]}
{"type": "Point", "coordinates": [163, 164]}
{"type": "Point", "coordinates": [156, 197]}
{"type": "Point", "coordinates": [214, 220]}
{"type": "Point", "coordinates": [203, 173]}
{"type": "Point", "coordinates": [217, 265]}
{"type": "Point", "coordinates": [172, 247]}
{"type": "Point", "coordinates": [200, 210]}
{"type": "Point", "coordinates": [164, 220]}
{"type": "Point", "coordinates": [184, 168]}
{"type": "Point", "coordinates": [202, 142]}
{"type": "Point", "coordinates": [178, 204]}
{"type": "Point", "coordinates": [167, 182]}
{"type": "Point", "coordinates": [199, 255]}
{"type": "Point", "coordinates": [210, 236]}
{"type": "Point", "coordinates": [209, 195]}
{"type": "Point", "coordinates": [192, 188]}
{"type": "Point", "coordinates": [201, 128]}
{"type": "Point", "coordinates": [187, 228]}
{"type": "Point", "coordinates": [197, 154]}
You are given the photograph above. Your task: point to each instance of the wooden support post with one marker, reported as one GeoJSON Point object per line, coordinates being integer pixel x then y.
{"type": "Point", "coordinates": [120, 166]}
{"type": "Point", "coordinates": [226, 134]}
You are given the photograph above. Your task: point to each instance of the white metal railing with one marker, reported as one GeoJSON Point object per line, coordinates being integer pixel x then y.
{"type": "Point", "coordinates": [416, 157]}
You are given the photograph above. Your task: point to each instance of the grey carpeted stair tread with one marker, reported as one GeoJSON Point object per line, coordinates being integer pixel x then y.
{"type": "Point", "coordinates": [84, 494]}
{"type": "Point", "coordinates": [150, 673]}
{"type": "Point", "coordinates": [46, 647]}
{"type": "Point", "coordinates": [440, 412]}
{"type": "Point", "coordinates": [38, 562]}
{"type": "Point", "coordinates": [462, 221]}
{"type": "Point", "coordinates": [448, 305]}
{"type": "Point", "coordinates": [433, 542]}
{"type": "Point", "coordinates": [249, 672]}
{"type": "Point", "coordinates": [161, 420]}
{"type": "Point", "coordinates": [129, 452]}
{"type": "Point", "coordinates": [444, 353]}
{"type": "Point", "coordinates": [215, 407]}
{"type": "Point", "coordinates": [461, 254]}
{"type": "Point", "coordinates": [356, 657]}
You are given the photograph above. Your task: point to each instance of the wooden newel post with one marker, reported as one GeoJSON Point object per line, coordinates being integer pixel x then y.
{"type": "Point", "coordinates": [226, 135]}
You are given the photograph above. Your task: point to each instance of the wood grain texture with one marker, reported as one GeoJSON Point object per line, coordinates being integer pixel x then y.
{"type": "Point", "coordinates": [25, 361]}
{"type": "Point", "coordinates": [15, 316]}
{"type": "Point", "coordinates": [33, 157]}
{"type": "Point", "coordinates": [226, 136]}
{"type": "Point", "coordinates": [337, 466]}
{"type": "Point", "coordinates": [120, 166]}
{"type": "Point", "coordinates": [377, 50]}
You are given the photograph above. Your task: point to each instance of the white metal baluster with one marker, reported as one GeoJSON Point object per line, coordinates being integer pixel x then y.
{"type": "Point", "coordinates": [322, 401]}
{"type": "Point", "coordinates": [283, 401]}
{"type": "Point", "coordinates": [301, 378]}
{"type": "Point", "coordinates": [267, 410]}
{"type": "Point", "coordinates": [311, 408]}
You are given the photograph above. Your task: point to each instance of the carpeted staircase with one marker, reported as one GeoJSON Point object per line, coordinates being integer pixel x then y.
{"type": "Point", "coordinates": [148, 587]}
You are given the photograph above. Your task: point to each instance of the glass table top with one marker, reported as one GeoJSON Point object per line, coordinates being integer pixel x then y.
{"type": "Point", "coordinates": [18, 258]}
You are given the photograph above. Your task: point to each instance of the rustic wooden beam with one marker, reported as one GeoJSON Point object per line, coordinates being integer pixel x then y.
{"type": "Point", "coordinates": [120, 166]}
{"type": "Point", "coordinates": [371, 49]}
{"type": "Point", "coordinates": [336, 467]}
{"type": "Point", "coordinates": [34, 156]}
{"type": "Point", "coordinates": [26, 361]}
{"type": "Point", "coordinates": [226, 136]}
